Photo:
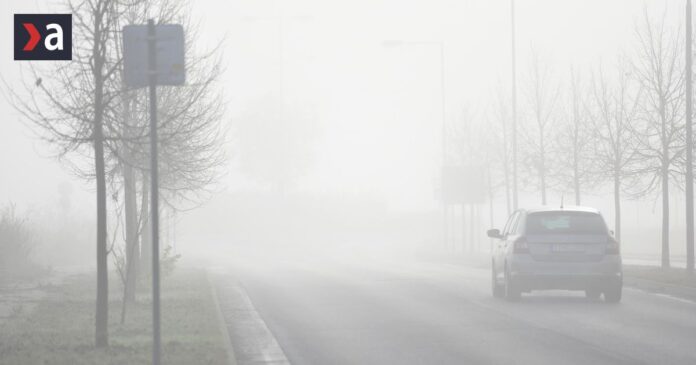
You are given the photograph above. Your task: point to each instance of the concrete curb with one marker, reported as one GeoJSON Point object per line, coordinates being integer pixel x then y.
{"type": "Point", "coordinates": [231, 358]}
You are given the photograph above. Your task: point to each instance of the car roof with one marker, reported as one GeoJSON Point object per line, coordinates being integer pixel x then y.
{"type": "Point", "coordinates": [564, 209]}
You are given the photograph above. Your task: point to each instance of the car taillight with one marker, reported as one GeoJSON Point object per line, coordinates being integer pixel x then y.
{"type": "Point", "coordinates": [521, 246]}
{"type": "Point", "coordinates": [612, 247]}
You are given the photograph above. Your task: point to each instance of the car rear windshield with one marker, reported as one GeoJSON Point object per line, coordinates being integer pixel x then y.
{"type": "Point", "coordinates": [565, 223]}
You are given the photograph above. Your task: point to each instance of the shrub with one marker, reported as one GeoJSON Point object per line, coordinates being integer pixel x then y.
{"type": "Point", "coordinates": [16, 245]}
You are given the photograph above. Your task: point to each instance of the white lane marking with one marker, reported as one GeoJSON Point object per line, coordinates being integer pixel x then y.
{"type": "Point", "coordinates": [661, 295]}
{"type": "Point", "coordinates": [231, 357]}
{"type": "Point", "coordinates": [254, 343]}
{"type": "Point", "coordinates": [270, 349]}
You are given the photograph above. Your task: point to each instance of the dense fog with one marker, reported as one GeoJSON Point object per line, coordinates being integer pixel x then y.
{"type": "Point", "coordinates": [316, 134]}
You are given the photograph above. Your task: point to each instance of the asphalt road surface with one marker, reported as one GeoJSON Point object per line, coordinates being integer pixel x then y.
{"type": "Point", "coordinates": [375, 312]}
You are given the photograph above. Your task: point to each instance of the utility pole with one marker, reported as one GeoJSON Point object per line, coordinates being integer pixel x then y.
{"type": "Point", "coordinates": [514, 108]}
{"type": "Point", "coordinates": [689, 146]}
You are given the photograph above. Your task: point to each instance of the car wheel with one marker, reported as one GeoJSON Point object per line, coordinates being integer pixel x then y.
{"type": "Point", "coordinates": [497, 289]}
{"type": "Point", "coordinates": [512, 292]}
{"type": "Point", "coordinates": [613, 294]}
{"type": "Point", "coordinates": [593, 294]}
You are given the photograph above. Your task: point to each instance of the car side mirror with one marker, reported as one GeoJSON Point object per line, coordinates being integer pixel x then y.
{"type": "Point", "coordinates": [494, 233]}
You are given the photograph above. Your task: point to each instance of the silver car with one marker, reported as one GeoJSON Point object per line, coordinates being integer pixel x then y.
{"type": "Point", "coordinates": [568, 248]}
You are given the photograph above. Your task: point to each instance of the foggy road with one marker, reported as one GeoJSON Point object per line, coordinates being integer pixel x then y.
{"type": "Point", "coordinates": [423, 313]}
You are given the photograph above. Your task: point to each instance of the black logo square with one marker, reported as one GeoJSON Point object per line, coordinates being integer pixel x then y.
{"type": "Point", "coordinates": [43, 37]}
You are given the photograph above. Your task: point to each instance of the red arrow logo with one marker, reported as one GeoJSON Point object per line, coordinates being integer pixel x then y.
{"type": "Point", "coordinates": [34, 36]}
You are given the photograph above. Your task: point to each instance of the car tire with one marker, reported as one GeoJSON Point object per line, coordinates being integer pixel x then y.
{"type": "Point", "coordinates": [497, 289]}
{"type": "Point", "coordinates": [613, 294]}
{"type": "Point", "coordinates": [593, 294]}
{"type": "Point", "coordinates": [512, 292]}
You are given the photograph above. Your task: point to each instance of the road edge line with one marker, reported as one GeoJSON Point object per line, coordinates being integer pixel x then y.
{"type": "Point", "coordinates": [222, 324]}
{"type": "Point", "coordinates": [274, 344]}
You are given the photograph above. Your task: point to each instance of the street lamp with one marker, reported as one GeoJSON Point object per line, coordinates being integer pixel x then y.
{"type": "Point", "coordinates": [689, 145]}
{"type": "Point", "coordinates": [515, 197]}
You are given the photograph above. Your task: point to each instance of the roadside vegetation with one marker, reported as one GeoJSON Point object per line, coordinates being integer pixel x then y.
{"type": "Point", "coordinates": [99, 128]}
{"type": "Point", "coordinates": [60, 329]}
{"type": "Point", "coordinates": [672, 276]}
{"type": "Point", "coordinates": [17, 243]}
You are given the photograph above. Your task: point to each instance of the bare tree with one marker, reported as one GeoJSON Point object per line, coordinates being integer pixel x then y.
{"type": "Point", "coordinates": [615, 110]}
{"type": "Point", "coordinates": [542, 96]}
{"type": "Point", "coordinates": [189, 132]}
{"type": "Point", "coordinates": [471, 148]}
{"type": "Point", "coordinates": [84, 109]}
{"type": "Point", "coordinates": [574, 139]}
{"type": "Point", "coordinates": [69, 104]}
{"type": "Point", "coordinates": [659, 69]}
{"type": "Point", "coordinates": [500, 145]}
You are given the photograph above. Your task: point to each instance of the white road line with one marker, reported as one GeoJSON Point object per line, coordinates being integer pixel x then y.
{"type": "Point", "coordinates": [661, 295]}
{"type": "Point", "coordinates": [253, 342]}
{"type": "Point", "coordinates": [231, 358]}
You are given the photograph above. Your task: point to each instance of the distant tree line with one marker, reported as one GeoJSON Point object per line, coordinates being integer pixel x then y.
{"type": "Point", "coordinates": [620, 125]}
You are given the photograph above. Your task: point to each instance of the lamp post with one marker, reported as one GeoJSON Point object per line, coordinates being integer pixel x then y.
{"type": "Point", "coordinates": [689, 146]}
{"type": "Point", "coordinates": [514, 106]}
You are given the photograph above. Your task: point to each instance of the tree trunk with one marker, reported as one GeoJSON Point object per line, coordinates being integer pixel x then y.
{"type": "Point", "coordinates": [506, 170]}
{"type": "Point", "coordinates": [543, 187]}
{"type": "Point", "coordinates": [576, 149]}
{"type": "Point", "coordinates": [507, 183]}
{"type": "Point", "coordinates": [577, 190]}
{"type": "Point", "coordinates": [472, 222]}
{"type": "Point", "coordinates": [464, 228]}
{"type": "Point", "coordinates": [665, 219]}
{"type": "Point", "coordinates": [542, 166]}
{"type": "Point", "coordinates": [102, 314]}
{"type": "Point", "coordinates": [131, 215]}
{"type": "Point", "coordinates": [101, 337]}
{"type": "Point", "coordinates": [145, 231]}
{"type": "Point", "coordinates": [576, 173]}
{"type": "Point", "coordinates": [617, 206]}
{"type": "Point", "coordinates": [101, 334]}
{"type": "Point", "coordinates": [132, 252]}
{"type": "Point", "coordinates": [491, 195]}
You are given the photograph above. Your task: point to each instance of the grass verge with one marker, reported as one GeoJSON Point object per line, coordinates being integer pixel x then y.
{"type": "Point", "coordinates": [672, 276]}
{"type": "Point", "coordinates": [60, 330]}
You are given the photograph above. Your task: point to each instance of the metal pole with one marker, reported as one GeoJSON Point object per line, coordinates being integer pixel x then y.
{"type": "Point", "coordinates": [514, 108]}
{"type": "Point", "coordinates": [689, 146]}
{"type": "Point", "coordinates": [154, 194]}
{"type": "Point", "coordinates": [444, 139]}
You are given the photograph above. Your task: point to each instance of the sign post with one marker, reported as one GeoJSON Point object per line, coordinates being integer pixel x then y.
{"type": "Point", "coordinates": [154, 188]}
{"type": "Point", "coordinates": [464, 185]}
{"type": "Point", "coordinates": [154, 55]}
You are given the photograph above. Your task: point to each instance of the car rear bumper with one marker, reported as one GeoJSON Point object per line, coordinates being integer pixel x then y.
{"type": "Point", "coordinates": [534, 275]}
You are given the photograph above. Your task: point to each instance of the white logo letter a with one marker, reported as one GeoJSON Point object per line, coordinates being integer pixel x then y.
{"type": "Point", "coordinates": [57, 38]}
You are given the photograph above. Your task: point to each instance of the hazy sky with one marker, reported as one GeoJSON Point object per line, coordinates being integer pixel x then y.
{"type": "Point", "coordinates": [378, 108]}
